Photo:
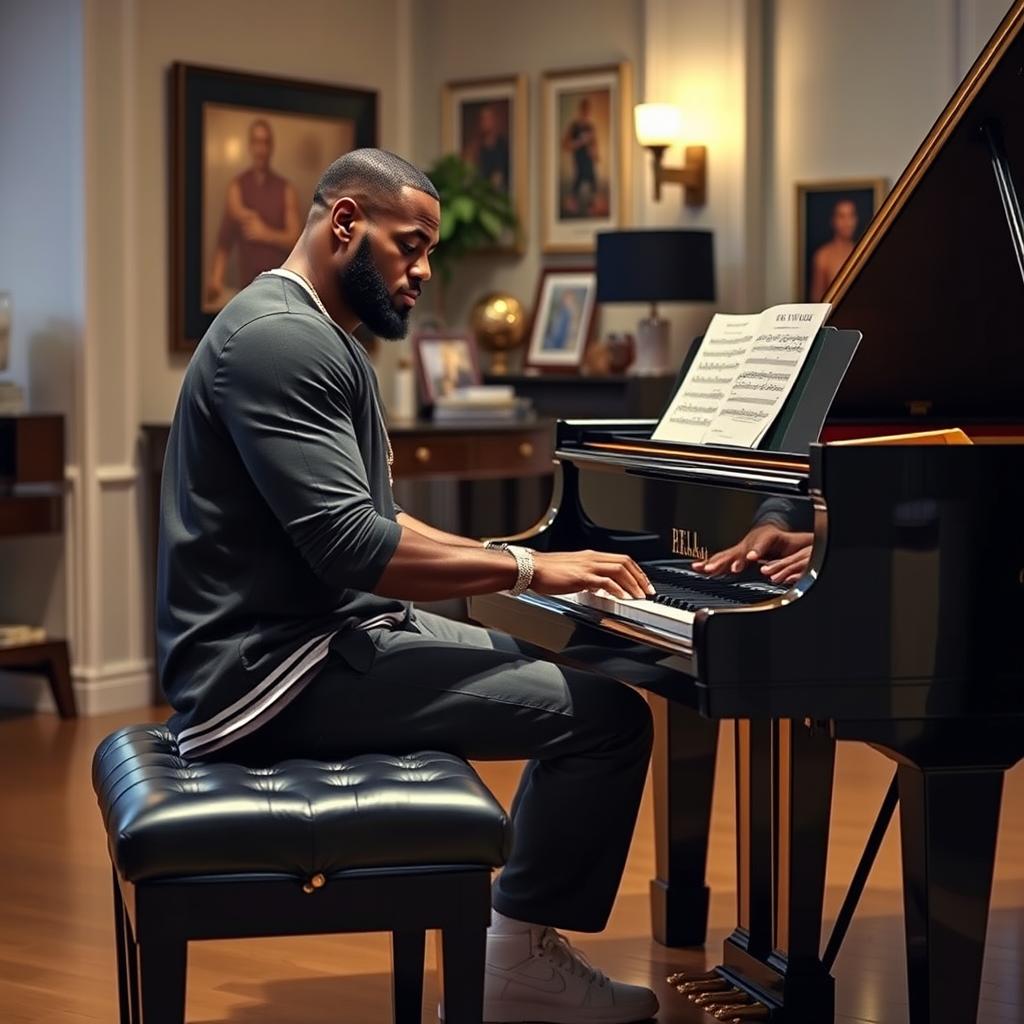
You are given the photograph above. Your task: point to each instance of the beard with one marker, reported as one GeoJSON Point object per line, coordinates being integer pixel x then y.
{"type": "Point", "coordinates": [368, 297]}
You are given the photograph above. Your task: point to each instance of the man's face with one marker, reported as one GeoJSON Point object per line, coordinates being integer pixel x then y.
{"type": "Point", "coordinates": [488, 121]}
{"type": "Point", "coordinates": [261, 145]}
{"type": "Point", "coordinates": [382, 278]}
{"type": "Point", "coordinates": [584, 109]}
{"type": "Point", "coordinates": [844, 220]}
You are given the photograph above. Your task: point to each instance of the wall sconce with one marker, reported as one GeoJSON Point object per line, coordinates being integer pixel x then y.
{"type": "Point", "coordinates": [658, 126]}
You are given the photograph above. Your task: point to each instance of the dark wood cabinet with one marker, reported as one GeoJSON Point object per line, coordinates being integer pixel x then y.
{"type": "Point", "coordinates": [31, 474]}
{"type": "Point", "coordinates": [31, 502]}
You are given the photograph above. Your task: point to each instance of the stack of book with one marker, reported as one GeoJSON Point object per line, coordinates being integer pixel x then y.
{"type": "Point", "coordinates": [17, 636]}
{"type": "Point", "coordinates": [481, 402]}
{"type": "Point", "coordinates": [12, 399]}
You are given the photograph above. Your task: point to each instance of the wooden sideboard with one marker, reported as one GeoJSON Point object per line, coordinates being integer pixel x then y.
{"type": "Point", "coordinates": [32, 502]}
{"type": "Point", "coordinates": [472, 451]}
{"type": "Point", "coordinates": [424, 450]}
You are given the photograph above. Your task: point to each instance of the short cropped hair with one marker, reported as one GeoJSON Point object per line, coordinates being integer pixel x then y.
{"type": "Point", "coordinates": [374, 173]}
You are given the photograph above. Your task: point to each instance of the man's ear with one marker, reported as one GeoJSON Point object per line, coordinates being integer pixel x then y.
{"type": "Point", "coordinates": [344, 215]}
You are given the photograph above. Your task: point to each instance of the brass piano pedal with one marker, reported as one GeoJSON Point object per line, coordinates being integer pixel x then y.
{"type": "Point", "coordinates": [692, 989]}
{"type": "Point", "coordinates": [680, 977]}
{"type": "Point", "coordinates": [729, 1012]}
{"type": "Point", "coordinates": [711, 1000]}
{"type": "Point", "coordinates": [757, 1011]}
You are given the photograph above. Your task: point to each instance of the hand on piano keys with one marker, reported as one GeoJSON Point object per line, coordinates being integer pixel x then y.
{"type": "Point", "coordinates": [785, 554]}
{"type": "Point", "coordinates": [568, 572]}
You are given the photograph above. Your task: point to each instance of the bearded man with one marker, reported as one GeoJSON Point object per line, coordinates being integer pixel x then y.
{"type": "Point", "coordinates": [287, 574]}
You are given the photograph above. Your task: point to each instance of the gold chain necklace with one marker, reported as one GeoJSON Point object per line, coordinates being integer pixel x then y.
{"type": "Point", "coordinates": [376, 401]}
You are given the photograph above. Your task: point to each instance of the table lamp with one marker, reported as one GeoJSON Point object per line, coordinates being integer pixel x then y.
{"type": "Point", "coordinates": [654, 266]}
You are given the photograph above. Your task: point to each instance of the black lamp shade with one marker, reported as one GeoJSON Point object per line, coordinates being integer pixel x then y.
{"type": "Point", "coordinates": [655, 266]}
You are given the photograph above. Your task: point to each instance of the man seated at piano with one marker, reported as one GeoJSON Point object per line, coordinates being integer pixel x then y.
{"type": "Point", "coordinates": [780, 541]}
{"type": "Point", "coordinates": [286, 627]}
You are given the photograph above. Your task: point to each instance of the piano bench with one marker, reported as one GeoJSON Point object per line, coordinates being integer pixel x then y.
{"type": "Point", "coordinates": [372, 843]}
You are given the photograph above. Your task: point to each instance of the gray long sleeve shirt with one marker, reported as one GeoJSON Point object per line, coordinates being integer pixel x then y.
{"type": "Point", "coordinates": [277, 517]}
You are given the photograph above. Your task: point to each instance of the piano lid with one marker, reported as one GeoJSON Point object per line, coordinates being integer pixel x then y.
{"type": "Point", "coordinates": [937, 281]}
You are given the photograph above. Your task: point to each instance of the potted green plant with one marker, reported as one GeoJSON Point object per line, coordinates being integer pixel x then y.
{"type": "Point", "coordinates": [474, 216]}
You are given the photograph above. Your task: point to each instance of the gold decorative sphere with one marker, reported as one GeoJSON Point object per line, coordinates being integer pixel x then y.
{"type": "Point", "coordinates": [499, 324]}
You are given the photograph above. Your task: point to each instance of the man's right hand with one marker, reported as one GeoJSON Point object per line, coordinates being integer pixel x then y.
{"type": "Point", "coordinates": [766, 542]}
{"type": "Point", "coordinates": [569, 572]}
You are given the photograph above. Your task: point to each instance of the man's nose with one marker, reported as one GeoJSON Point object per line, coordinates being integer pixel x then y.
{"type": "Point", "coordinates": [421, 269]}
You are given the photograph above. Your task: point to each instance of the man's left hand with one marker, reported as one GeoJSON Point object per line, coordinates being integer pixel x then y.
{"type": "Point", "coordinates": [790, 568]}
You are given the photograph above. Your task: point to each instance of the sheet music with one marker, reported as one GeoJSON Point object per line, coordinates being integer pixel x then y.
{"type": "Point", "coordinates": [707, 384]}
{"type": "Point", "coordinates": [742, 375]}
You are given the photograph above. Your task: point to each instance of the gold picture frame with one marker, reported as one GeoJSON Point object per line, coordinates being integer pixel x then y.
{"type": "Point", "coordinates": [585, 113]}
{"type": "Point", "coordinates": [498, 106]}
{"type": "Point", "coordinates": [817, 213]}
{"type": "Point", "coordinates": [218, 117]}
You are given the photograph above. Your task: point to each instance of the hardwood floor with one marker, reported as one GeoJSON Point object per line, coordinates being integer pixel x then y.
{"type": "Point", "coordinates": [56, 932]}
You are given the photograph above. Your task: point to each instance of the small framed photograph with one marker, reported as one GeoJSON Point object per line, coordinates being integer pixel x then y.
{"type": "Point", "coordinates": [831, 216]}
{"type": "Point", "coordinates": [445, 362]}
{"type": "Point", "coordinates": [246, 154]}
{"type": "Point", "coordinates": [483, 120]}
{"type": "Point", "coordinates": [586, 145]}
{"type": "Point", "coordinates": [563, 314]}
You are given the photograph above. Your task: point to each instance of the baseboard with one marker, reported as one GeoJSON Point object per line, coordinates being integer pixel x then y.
{"type": "Point", "coordinates": [117, 687]}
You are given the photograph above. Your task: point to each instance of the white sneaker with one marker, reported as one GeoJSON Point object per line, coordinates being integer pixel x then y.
{"type": "Point", "coordinates": [538, 976]}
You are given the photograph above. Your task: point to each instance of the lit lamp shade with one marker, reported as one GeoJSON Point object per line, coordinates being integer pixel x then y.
{"type": "Point", "coordinates": [655, 266]}
{"type": "Point", "coordinates": [657, 124]}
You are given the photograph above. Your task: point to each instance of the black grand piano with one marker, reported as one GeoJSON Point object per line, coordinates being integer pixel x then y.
{"type": "Point", "coordinates": [905, 631]}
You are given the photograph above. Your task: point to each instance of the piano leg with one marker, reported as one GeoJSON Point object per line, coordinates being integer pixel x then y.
{"type": "Point", "coordinates": [948, 822]}
{"type": "Point", "coordinates": [784, 778]}
{"type": "Point", "coordinates": [683, 768]}
{"type": "Point", "coordinates": [806, 767]}
{"type": "Point", "coordinates": [754, 856]}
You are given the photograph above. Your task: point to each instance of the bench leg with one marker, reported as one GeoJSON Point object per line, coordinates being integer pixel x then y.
{"type": "Point", "coordinates": [407, 950]}
{"type": "Point", "coordinates": [462, 974]}
{"type": "Point", "coordinates": [123, 941]}
{"type": "Point", "coordinates": [161, 974]}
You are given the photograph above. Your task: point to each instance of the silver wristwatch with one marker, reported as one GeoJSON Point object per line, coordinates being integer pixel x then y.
{"type": "Point", "coordinates": [524, 563]}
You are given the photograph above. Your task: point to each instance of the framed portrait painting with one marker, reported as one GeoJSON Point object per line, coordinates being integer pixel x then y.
{"type": "Point", "coordinates": [247, 152]}
{"type": "Point", "coordinates": [445, 362]}
{"type": "Point", "coordinates": [831, 216]}
{"type": "Point", "coordinates": [586, 135]}
{"type": "Point", "coordinates": [483, 120]}
{"type": "Point", "coordinates": [563, 315]}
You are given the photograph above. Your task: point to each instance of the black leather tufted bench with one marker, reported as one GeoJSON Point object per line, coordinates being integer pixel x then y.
{"type": "Point", "coordinates": [216, 851]}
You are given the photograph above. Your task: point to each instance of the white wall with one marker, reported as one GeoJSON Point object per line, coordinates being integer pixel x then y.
{"type": "Point", "coordinates": [707, 59]}
{"type": "Point", "coordinates": [41, 260]}
{"type": "Point", "coordinates": [855, 89]}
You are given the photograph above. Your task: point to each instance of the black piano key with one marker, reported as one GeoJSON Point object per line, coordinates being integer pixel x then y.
{"type": "Point", "coordinates": [680, 587]}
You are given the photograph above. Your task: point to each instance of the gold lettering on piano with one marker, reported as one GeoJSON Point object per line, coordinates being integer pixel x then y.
{"type": "Point", "coordinates": [687, 543]}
